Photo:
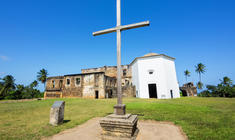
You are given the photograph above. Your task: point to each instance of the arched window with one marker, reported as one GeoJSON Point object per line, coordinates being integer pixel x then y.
{"type": "Point", "coordinates": [68, 81]}
{"type": "Point", "coordinates": [124, 72]}
{"type": "Point", "coordinates": [151, 71]}
{"type": "Point", "coordinates": [53, 83]}
{"type": "Point", "coordinates": [78, 81]}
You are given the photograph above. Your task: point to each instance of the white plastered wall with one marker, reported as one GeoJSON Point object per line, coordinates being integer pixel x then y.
{"type": "Point", "coordinates": [164, 76]}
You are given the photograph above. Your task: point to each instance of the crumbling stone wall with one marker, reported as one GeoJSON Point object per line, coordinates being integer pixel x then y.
{"type": "Point", "coordinates": [189, 89]}
{"type": "Point", "coordinates": [54, 83]}
{"type": "Point", "coordinates": [111, 71]}
{"type": "Point", "coordinates": [71, 88]}
{"type": "Point", "coordinates": [54, 86]}
{"type": "Point", "coordinates": [110, 87]}
{"type": "Point", "coordinates": [129, 91]}
{"type": "Point", "coordinates": [94, 82]}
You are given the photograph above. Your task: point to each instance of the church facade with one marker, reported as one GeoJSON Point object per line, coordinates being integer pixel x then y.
{"type": "Point", "coordinates": [154, 76]}
{"type": "Point", "coordinates": [150, 76]}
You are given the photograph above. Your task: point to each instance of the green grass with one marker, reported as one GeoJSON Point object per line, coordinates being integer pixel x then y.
{"type": "Point", "coordinates": [200, 118]}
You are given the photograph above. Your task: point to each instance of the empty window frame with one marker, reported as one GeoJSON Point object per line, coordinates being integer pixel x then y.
{"type": "Point", "coordinates": [78, 81]}
{"type": "Point", "coordinates": [124, 72]}
{"type": "Point", "coordinates": [68, 81]}
{"type": "Point", "coordinates": [150, 71]}
{"type": "Point", "coordinates": [53, 83]}
{"type": "Point", "coordinates": [61, 83]}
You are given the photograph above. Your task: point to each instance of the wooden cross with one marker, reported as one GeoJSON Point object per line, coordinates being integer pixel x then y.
{"type": "Point", "coordinates": [120, 108]}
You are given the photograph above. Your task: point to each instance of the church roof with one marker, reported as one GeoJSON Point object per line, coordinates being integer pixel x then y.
{"type": "Point", "coordinates": [149, 55]}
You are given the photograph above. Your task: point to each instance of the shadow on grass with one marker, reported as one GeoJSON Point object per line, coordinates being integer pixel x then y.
{"type": "Point", "coordinates": [66, 121]}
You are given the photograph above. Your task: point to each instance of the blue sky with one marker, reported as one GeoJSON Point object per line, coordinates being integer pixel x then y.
{"type": "Point", "coordinates": [57, 35]}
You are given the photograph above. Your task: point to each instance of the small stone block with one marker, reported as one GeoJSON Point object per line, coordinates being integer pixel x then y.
{"type": "Point", "coordinates": [57, 113]}
{"type": "Point", "coordinates": [120, 109]}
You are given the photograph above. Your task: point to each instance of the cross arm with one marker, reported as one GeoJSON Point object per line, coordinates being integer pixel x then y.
{"type": "Point", "coordinates": [135, 25]}
{"type": "Point", "coordinates": [106, 31]}
{"type": "Point", "coordinates": [122, 28]}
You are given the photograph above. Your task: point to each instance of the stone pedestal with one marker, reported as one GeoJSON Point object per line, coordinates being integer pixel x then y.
{"type": "Point", "coordinates": [57, 113]}
{"type": "Point", "coordinates": [119, 127]}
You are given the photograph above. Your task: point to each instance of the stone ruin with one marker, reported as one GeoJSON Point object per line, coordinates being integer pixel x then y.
{"type": "Point", "coordinates": [189, 89]}
{"type": "Point", "coordinates": [95, 83]}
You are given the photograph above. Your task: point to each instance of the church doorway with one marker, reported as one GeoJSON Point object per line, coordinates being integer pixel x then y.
{"type": "Point", "coordinates": [152, 91]}
{"type": "Point", "coordinates": [97, 94]}
{"type": "Point", "coordinates": [171, 94]}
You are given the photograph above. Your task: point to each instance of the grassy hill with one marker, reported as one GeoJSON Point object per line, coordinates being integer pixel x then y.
{"type": "Point", "coordinates": [200, 118]}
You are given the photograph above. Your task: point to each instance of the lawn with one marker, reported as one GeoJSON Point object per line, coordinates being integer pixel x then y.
{"type": "Point", "coordinates": [200, 118]}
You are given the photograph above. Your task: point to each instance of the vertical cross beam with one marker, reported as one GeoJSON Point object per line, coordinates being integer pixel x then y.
{"type": "Point", "coordinates": [120, 108]}
{"type": "Point", "coordinates": [119, 86]}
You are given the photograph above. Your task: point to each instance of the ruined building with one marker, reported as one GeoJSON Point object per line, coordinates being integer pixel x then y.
{"type": "Point", "coordinates": [91, 83]}
{"type": "Point", "coordinates": [188, 89]}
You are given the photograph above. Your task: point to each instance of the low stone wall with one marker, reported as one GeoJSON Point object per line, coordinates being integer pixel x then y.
{"type": "Point", "coordinates": [129, 91]}
{"type": "Point", "coordinates": [48, 95]}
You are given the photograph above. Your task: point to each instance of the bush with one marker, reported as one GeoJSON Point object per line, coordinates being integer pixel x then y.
{"type": "Point", "coordinates": [224, 89]}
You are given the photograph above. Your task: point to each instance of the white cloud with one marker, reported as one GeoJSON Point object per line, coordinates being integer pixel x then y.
{"type": "Point", "coordinates": [4, 58]}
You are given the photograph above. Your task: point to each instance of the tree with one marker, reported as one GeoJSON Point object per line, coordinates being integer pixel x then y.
{"type": "Point", "coordinates": [223, 89]}
{"type": "Point", "coordinates": [226, 81]}
{"type": "Point", "coordinates": [34, 84]}
{"type": "Point", "coordinates": [186, 74]}
{"type": "Point", "coordinates": [199, 85]}
{"type": "Point", "coordinates": [1, 87]}
{"type": "Point", "coordinates": [42, 76]}
{"type": "Point", "coordinates": [8, 84]}
{"type": "Point", "coordinates": [16, 94]}
{"type": "Point", "coordinates": [9, 90]}
{"type": "Point", "coordinates": [200, 69]}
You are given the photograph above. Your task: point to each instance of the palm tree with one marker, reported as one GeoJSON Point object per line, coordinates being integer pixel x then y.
{"type": "Point", "coordinates": [34, 84]}
{"type": "Point", "coordinates": [199, 85]}
{"type": "Point", "coordinates": [226, 81]}
{"type": "Point", "coordinates": [42, 76]}
{"type": "Point", "coordinates": [186, 74]}
{"type": "Point", "coordinates": [7, 84]}
{"type": "Point", "coordinates": [200, 69]}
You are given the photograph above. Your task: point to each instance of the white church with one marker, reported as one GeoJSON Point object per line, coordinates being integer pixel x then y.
{"type": "Point", "coordinates": [154, 76]}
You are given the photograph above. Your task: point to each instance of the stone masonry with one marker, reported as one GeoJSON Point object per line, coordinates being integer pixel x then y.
{"type": "Point", "coordinates": [57, 113]}
{"type": "Point", "coordinates": [189, 89]}
{"type": "Point", "coordinates": [91, 83]}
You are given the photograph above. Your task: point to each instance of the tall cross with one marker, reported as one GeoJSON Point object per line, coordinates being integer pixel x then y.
{"type": "Point", "coordinates": [120, 108]}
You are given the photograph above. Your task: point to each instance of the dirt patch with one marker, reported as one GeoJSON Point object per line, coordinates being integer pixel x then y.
{"type": "Point", "coordinates": [149, 130]}
{"type": "Point", "coordinates": [153, 130]}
